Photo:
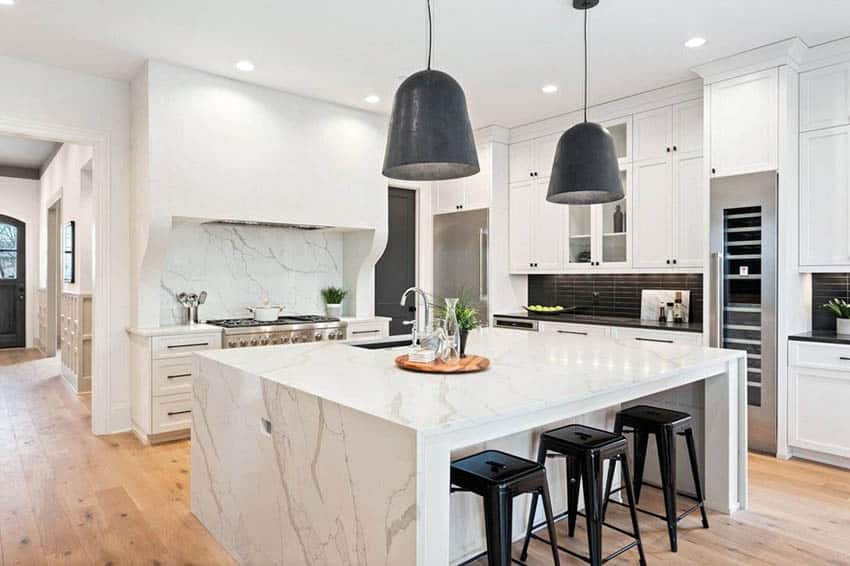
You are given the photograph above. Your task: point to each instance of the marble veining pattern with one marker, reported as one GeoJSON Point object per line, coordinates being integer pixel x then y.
{"type": "Point", "coordinates": [308, 492]}
{"type": "Point", "coordinates": [241, 265]}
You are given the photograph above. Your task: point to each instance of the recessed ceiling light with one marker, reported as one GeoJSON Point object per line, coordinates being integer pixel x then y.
{"type": "Point", "coordinates": [695, 42]}
{"type": "Point", "coordinates": [550, 89]}
{"type": "Point", "coordinates": [7, 2]}
{"type": "Point", "coordinates": [245, 65]}
{"type": "Point", "coordinates": [372, 99]}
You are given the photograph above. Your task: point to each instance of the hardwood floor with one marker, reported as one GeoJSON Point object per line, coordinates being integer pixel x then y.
{"type": "Point", "coordinates": [68, 497]}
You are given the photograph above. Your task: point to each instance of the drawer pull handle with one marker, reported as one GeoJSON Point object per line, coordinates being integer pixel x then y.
{"type": "Point", "coordinates": [366, 331]}
{"type": "Point", "coordinates": [198, 344]}
{"type": "Point", "coordinates": [173, 413]}
{"type": "Point", "coordinates": [576, 332]}
{"type": "Point", "coordinates": [654, 340]}
{"type": "Point", "coordinates": [844, 358]}
{"type": "Point", "coordinates": [179, 375]}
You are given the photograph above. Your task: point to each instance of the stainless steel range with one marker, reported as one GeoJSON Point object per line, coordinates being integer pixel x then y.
{"type": "Point", "coordinates": [245, 332]}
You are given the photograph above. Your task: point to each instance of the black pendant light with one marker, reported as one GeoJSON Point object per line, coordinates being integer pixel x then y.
{"type": "Point", "coordinates": [430, 136]}
{"type": "Point", "coordinates": [585, 170]}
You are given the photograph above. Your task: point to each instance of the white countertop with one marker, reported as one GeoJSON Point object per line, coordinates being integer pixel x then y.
{"type": "Point", "coordinates": [529, 372]}
{"type": "Point", "coordinates": [175, 329]}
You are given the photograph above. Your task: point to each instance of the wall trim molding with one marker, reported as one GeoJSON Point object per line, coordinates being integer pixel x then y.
{"type": "Point", "coordinates": [19, 172]}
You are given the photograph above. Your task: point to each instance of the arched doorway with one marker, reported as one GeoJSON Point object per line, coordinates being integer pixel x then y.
{"type": "Point", "coordinates": [12, 282]}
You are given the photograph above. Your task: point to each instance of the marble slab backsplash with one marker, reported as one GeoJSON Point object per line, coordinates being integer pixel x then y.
{"type": "Point", "coordinates": [242, 265]}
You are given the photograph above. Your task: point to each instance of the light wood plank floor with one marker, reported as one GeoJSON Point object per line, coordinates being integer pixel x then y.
{"type": "Point", "coordinates": [68, 497]}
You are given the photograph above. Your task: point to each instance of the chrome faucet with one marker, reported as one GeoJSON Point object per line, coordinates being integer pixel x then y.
{"type": "Point", "coordinates": [415, 322]}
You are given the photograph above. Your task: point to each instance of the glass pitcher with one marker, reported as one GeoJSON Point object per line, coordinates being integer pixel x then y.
{"type": "Point", "coordinates": [451, 352]}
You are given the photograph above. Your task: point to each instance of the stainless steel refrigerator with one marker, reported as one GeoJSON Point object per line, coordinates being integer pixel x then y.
{"type": "Point", "coordinates": [460, 258]}
{"type": "Point", "coordinates": [743, 288]}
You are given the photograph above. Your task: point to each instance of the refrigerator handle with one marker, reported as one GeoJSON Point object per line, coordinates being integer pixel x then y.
{"type": "Point", "coordinates": [715, 337]}
{"type": "Point", "coordinates": [482, 264]}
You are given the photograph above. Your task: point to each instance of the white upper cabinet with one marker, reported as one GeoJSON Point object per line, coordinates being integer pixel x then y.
{"type": "Point", "coordinates": [653, 133]}
{"type": "Point", "coordinates": [825, 97]}
{"type": "Point", "coordinates": [536, 228]}
{"type": "Point", "coordinates": [744, 124]}
{"type": "Point", "coordinates": [621, 130]}
{"type": "Point", "coordinates": [653, 204]}
{"type": "Point", "coordinates": [687, 128]}
{"type": "Point", "coordinates": [467, 193]}
{"type": "Point", "coordinates": [533, 159]}
{"type": "Point", "coordinates": [690, 229]}
{"type": "Point", "coordinates": [825, 199]}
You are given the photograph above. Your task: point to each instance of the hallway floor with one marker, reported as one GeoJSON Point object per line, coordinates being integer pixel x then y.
{"type": "Point", "coordinates": [69, 497]}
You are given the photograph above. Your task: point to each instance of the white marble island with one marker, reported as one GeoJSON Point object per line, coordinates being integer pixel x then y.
{"type": "Point", "coordinates": [324, 453]}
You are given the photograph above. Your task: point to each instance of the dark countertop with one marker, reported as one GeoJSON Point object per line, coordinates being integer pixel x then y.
{"type": "Point", "coordinates": [608, 321]}
{"type": "Point", "coordinates": [826, 336]}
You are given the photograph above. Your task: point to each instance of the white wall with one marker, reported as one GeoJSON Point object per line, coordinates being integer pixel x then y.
{"type": "Point", "coordinates": [52, 103]}
{"type": "Point", "coordinates": [217, 148]}
{"type": "Point", "coordinates": [67, 178]}
{"type": "Point", "coordinates": [240, 266]}
{"type": "Point", "coordinates": [19, 199]}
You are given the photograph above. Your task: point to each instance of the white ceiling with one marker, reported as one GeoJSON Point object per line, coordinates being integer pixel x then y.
{"type": "Point", "coordinates": [25, 152]}
{"type": "Point", "coordinates": [502, 51]}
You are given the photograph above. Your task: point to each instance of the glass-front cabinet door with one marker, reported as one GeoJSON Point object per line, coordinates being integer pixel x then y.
{"type": "Point", "coordinates": [579, 236]}
{"type": "Point", "coordinates": [614, 227]}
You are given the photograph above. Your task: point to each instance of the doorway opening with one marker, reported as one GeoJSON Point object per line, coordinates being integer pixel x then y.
{"type": "Point", "coordinates": [396, 270]}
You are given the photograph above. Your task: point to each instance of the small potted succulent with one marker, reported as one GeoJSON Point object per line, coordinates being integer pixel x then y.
{"type": "Point", "coordinates": [841, 309]}
{"type": "Point", "coordinates": [333, 297]}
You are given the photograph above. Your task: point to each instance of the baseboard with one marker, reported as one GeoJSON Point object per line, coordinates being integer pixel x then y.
{"type": "Point", "coordinates": [820, 457]}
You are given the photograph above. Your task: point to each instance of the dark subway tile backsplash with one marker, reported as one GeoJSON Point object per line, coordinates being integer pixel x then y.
{"type": "Point", "coordinates": [611, 295]}
{"type": "Point", "coordinates": [827, 286]}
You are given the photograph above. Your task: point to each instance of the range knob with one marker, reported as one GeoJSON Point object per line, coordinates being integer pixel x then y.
{"type": "Point", "coordinates": [318, 336]}
{"type": "Point", "coordinates": [296, 339]}
{"type": "Point", "coordinates": [242, 343]}
{"type": "Point", "coordinates": [264, 340]}
{"type": "Point", "coordinates": [284, 340]}
{"type": "Point", "coordinates": [331, 335]}
{"type": "Point", "coordinates": [253, 341]}
{"type": "Point", "coordinates": [231, 344]}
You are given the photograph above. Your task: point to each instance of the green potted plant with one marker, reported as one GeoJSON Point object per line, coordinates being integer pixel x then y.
{"type": "Point", "coordinates": [467, 320]}
{"type": "Point", "coordinates": [841, 309]}
{"type": "Point", "coordinates": [333, 297]}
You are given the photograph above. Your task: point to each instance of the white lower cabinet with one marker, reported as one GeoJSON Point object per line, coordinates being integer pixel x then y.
{"type": "Point", "coordinates": [161, 383]}
{"type": "Point", "coordinates": [650, 336]}
{"type": "Point", "coordinates": [818, 396]}
{"type": "Point", "coordinates": [368, 330]}
{"type": "Point", "coordinates": [571, 329]}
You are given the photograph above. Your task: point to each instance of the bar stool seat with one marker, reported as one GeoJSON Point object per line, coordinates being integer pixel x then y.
{"type": "Point", "coordinates": [585, 449]}
{"type": "Point", "coordinates": [498, 477]}
{"type": "Point", "coordinates": [665, 424]}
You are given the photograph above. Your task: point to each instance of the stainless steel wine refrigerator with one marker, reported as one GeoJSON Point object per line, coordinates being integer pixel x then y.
{"type": "Point", "coordinates": [742, 311]}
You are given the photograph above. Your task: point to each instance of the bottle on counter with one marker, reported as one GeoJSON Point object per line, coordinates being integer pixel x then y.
{"type": "Point", "coordinates": [662, 314]}
{"type": "Point", "coordinates": [678, 308]}
{"type": "Point", "coordinates": [669, 312]}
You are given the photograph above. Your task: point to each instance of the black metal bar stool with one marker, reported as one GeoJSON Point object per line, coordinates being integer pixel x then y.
{"type": "Point", "coordinates": [585, 450]}
{"type": "Point", "coordinates": [665, 424]}
{"type": "Point", "coordinates": [498, 477]}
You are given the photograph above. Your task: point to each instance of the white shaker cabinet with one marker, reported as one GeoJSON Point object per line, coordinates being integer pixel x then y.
{"type": "Point", "coordinates": [533, 159]}
{"type": "Point", "coordinates": [825, 199]}
{"type": "Point", "coordinates": [536, 228]}
{"type": "Point", "coordinates": [467, 193]}
{"type": "Point", "coordinates": [744, 124]}
{"type": "Point", "coordinates": [652, 137]}
{"type": "Point", "coordinates": [689, 223]}
{"type": "Point", "coordinates": [825, 97]}
{"type": "Point", "coordinates": [653, 202]}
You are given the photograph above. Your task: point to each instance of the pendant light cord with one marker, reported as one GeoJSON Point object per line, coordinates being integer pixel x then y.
{"type": "Point", "coordinates": [585, 63]}
{"type": "Point", "coordinates": [430, 34]}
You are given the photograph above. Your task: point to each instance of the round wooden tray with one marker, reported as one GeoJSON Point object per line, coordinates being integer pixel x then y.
{"type": "Point", "coordinates": [468, 364]}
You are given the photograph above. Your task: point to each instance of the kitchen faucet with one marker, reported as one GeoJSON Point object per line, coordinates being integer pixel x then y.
{"type": "Point", "coordinates": [415, 322]}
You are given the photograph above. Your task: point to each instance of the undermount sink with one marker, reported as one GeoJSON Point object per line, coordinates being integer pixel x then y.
{"type": "Point", "coordinates": [383, 344]}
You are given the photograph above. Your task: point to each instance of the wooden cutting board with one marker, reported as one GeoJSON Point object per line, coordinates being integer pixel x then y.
{"type": "Point", "coordinates": [468, 364]}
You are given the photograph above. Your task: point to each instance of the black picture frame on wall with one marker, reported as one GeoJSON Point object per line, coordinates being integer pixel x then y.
{"type": "Point", "coordinates": [68, 245]}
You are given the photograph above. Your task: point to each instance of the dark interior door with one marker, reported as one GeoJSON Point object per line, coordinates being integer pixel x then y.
{"type": "Point", "coordinates": [12, 283]}
{"type": "Point", "coordinates": [396, 270]}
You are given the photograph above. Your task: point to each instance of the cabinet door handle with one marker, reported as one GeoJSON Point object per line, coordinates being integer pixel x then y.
{"type": "Point", "coordinates": [675, 148]}
{"type": "Point", "coordinates": [531, 173]}
{"type": "Point", "coordinates": [196, 345]}
{"type": "Point", "coordinates": [668, 150]}
{"type": "Point", "coordinates": [845, 358]}
{"type": "Point", "coordinates": [576, 332]}
{"type": "Point", "coordinates": [173, 413]}
{"type": "Point", "coordinates": [674, 261]}
{"type": "Point", "coordinates": [713, 170]}
{"type": "Point", "coordinates": [639, 339]}
{"type": "Point", "coordinates": [366, 331]}
{"type": "Point", "coordinates": [179, 375]}
{"type": "Point", "coordinates": [668, 262]}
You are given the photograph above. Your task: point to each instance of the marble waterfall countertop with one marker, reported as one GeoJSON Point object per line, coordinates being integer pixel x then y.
{"type": "Point", "coordinates": [529, 372]}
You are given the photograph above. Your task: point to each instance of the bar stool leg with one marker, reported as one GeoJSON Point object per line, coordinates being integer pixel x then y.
{"type": "Point", "coordinates": [612, 467]}
{"type": "Point", "coordinates": [592, 476]}
{"type": "Point", "coordinates": [667, 463]}
{"type": "Point", "coordinates": [692, 453]}
{"type": "Point", "coordinates": [550, 524]}
{"type": "Point", "coordinates": [498, 507]}
{"type": "Point", "coordinates": [641, 442]}
{"type": "Point", "coordinates": [630, 497]}
{"type": "Point", "coordinates": [573, 485]}
{"type": "Point", "coordinates": [541, 459]}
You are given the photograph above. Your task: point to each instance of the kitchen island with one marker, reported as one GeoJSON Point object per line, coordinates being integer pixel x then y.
{"type": "Point", "coordinates": [324, 453]}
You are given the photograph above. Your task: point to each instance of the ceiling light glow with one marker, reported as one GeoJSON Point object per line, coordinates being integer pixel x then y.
{"type": "Point", "coordinates": [695, 42]}
{"type": "Point", "coordinates": [7, 2]}
{"type": "Point", "coordinates": [245, 65]}
{"type": "Point", "coordinates": [372, 99]}
{"type": "Point", "coordinates": [550, 89]}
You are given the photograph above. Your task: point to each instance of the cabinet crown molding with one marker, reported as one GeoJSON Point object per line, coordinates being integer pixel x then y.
{"type": "Point", "coordinates": [791, 52]}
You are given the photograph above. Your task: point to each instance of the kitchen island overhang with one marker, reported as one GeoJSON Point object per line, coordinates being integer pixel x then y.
{"type": "Point", "coordinates": [324, 453]}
